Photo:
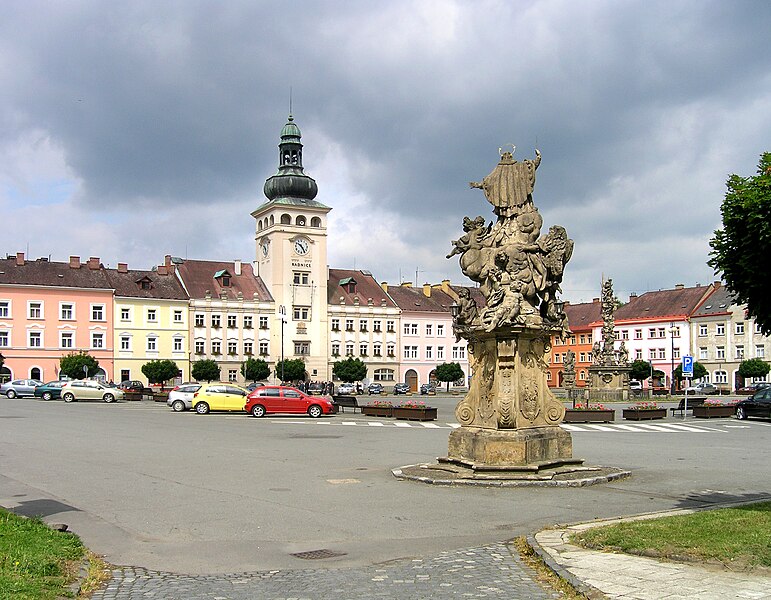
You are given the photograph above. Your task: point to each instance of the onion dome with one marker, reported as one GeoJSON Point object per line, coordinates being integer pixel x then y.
{"type": "Point", "coordinates": [290, 182]}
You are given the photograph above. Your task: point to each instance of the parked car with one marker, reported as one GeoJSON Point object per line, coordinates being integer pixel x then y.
{"type": "Point", "coordinates": [427, 388]}
{"type": "Point", "coordinates": [219, 396]}
{"type": "Point", "coordinates": [50, 391]}
{"type": "Point", "coordinates": [375, 388]}
{"type": "Point", "coordinates": [254, 385]}
{"type": "Point", "coordinates": [282, 399]}
{"type": "Point", "coordinates": [702, 388]}
{"type": "Point", "coordinates": [316, 388]}
{"type": "Point", "coordinates": [754, 387]}
{"type": "Point", "coordinates": [635, 385]}
{"type": "Point", "coordinates": [20, 387]}
{"type": "Point", "coordinates": [346, 388]}
{"type": "Point", "coordinates": [89, 389]}
{"type": "Point", "coordinates": [401, 388]}
{"type": "Point", "coordinates": [133, 385]}
{"type": "Point", "coordinates": [181, 397]}
{"type": "Point", "coordinates": [757, 405]}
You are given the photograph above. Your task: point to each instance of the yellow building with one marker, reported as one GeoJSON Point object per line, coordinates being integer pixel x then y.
{"type": "Point", "coordinates": [151, 321]}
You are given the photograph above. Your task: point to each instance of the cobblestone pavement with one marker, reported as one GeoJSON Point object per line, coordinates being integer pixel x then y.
{"type": "Point", "coordinates": [492, 571]}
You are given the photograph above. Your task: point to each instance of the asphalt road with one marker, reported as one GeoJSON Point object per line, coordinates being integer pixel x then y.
{"type": "Point", "coordinates": [219, 493]}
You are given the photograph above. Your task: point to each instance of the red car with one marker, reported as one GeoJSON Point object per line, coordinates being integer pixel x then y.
{"type": "Point", "coordinates": [281, 399]}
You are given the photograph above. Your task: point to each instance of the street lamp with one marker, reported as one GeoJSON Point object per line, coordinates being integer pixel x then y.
{"type": "Point", "coordinates": [282, 316]}
{"type": "Point", "coordinates": [672, 358]}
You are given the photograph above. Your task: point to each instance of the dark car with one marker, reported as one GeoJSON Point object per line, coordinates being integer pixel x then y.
{"type": "Point", "coordinates": [754, 387]}
{"type": "Point", "coordinates": [401, 388]}
{"type": "Point", "coordinates": [50, 391]}
{"type": "Point", "coordinates": [132, 385]}
{"type": "Point", "coordinates": [254, 385]}
{"type": "Point", "coordinates": [757, 405]}
{"type": "Point", "coordinates": [375, 388]}
{"type": "Point", "coordinates": [427, 388]}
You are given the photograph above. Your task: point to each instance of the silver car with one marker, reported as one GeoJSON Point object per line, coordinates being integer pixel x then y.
{"type": "Point", "coordinates": [181, 397]}
{"type": "Point", "coordinates": [20, 387]}
{"type": "Point", "coordinates": [90, 390]}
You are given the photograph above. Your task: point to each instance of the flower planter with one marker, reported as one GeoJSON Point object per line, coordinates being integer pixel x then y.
{"type": "Point", "coordinates": [706, 411]}
{"type": "Point", "coordinates": [378, 411]}
{"type": "Point", "coordinates": [132, 396]}
{"type": "Point", "coordinates": [415, 414]}
{"type": "Point", "coordinates": [589, 416]}
{"type": "Point", "coordinates": [633, 414]}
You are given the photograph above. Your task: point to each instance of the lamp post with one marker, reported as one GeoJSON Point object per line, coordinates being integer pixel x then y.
{"type": "Point", "coordinates": [672, 358]}
{"type": "Point", "coordinates": [282, 316]}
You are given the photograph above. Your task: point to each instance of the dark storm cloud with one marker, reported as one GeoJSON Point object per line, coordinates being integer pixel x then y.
{"type": "Point", "coordinates": [641, 110]}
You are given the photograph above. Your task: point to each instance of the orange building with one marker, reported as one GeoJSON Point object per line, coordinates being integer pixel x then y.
{"type": "Point", "coordinates": [583, 319]}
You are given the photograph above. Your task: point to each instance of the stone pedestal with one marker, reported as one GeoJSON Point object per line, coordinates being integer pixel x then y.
{"type": "Point", "coordinates": [608, 383]}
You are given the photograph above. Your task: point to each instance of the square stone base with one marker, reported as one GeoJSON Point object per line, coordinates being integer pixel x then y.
{"type": "Point", "coordinates": [516, 449]}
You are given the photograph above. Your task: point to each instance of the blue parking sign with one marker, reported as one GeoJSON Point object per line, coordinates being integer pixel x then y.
{"type": "Point", "coordinates": [687, 366]}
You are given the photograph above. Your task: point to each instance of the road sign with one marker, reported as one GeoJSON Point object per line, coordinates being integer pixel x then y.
{"type": "Point", "coordinates": [687, 366]}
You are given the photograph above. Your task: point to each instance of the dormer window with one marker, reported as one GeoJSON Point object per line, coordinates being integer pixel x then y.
{"type": "Point", "coordinates": [145, 283]}
{"type": "Point", "coordinates": [348, 284]}
{"type": "Point", "coordinates": [223, 277]}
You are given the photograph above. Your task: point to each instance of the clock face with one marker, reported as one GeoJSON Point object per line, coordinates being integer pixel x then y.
{"type": "Point", "coordinates": [301, 246]}
{"type": "Point", "coordinates": [264, 247]}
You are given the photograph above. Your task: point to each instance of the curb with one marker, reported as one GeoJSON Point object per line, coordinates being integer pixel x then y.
{"type": "Point", "coordinates": [587, 590]}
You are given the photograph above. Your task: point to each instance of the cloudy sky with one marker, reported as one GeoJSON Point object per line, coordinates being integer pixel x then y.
{"type": "Point", "coordinates": [131, 130]}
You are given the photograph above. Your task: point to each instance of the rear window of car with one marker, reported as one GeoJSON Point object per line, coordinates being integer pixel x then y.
{"type": "Point", "coordinates": [189, 388]}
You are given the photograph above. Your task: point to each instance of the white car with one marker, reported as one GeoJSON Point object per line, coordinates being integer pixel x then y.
{"type": "Point", "coordinates": [88, 389]}
{"type": "Point", "coordinates": [635, 385]}
{"type": "Point", "coordinates": [181, 397]}
{"type": "Point", "coordinates": [346, 388]}
{"type": "Point", "coordinates": [20, 387]}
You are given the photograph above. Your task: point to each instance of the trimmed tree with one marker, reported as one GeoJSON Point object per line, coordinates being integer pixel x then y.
{"type": "Point", "coordinates": [205, 370]}
{"type": "Point", "coordinates": [293, 369]}
{"type": "Point", "coordinates": [350, 370]}
{"type": "Point", "coordinates": [78, 365]}
{"type": "Point", "coordinates": [254, 369]}
{"type": "Point", "coordinates": [753, 367]}
{"type": "Point", "coordinates": [641, 370]}
{"type": "Point", "coordinates": [160, 371]}
{"type": "Point", "coordinates": [741, 248]}
{"type": "Point", "coordinates": [449, 372]}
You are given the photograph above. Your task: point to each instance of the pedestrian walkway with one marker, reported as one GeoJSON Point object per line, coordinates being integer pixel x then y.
{"type": "Point", "coordinates": [625, 577]}
{"type": "Point", "coordinates": [493, 571]}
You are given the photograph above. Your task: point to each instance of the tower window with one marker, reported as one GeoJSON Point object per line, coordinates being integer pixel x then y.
{"type": "Point", "coordinates": [315, 222]}
{"type": "Point", "coordinates": [300, 220]}
{"type": "Point", "coordinates": [286, 219]}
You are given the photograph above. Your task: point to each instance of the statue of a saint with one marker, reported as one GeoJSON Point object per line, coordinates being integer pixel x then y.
{"type": "Point", "coordinates": [510, 185]}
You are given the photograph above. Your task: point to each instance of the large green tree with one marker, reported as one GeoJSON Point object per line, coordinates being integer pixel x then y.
{"type": "Point", "coordinates": [449, 372]}
{"type": "Point", "coordinates": [78, 365]}
{"type": "Point", "coordinates": [741, 249]}
{"type": "Point", "coordinates": [255, 369]}
{"type": "Point", "coordinates": [293, 369]}
{"type": "Point", "coordinates": [205, 370]}
{"type": "Point", "coordinates": [350, 370]}
{"type": "Point", "coordinates": [160, 371]}
{"type": "Point", "coordinates": [753, 367]}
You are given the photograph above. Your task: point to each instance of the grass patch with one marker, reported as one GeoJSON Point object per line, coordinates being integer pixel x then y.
{"type": "Point", "coordinates": [36, 562]}
{"type": "Point", "coordinates": [738, 538]}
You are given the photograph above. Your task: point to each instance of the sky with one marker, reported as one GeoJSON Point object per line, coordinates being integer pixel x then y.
{"type": "Point", "coordinates": [132, 130]}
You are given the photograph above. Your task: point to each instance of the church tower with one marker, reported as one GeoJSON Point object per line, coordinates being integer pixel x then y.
{"type": "Point", "coordinates": [292, 257]}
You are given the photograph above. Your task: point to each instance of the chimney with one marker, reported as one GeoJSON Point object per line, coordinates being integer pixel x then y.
{"type": "Point", "coordinates": [162, 270]}
{"type": "Point", "coordinates": [122, 267]}
{"type": "Point", "coordinates": [74, 262]}
{"type": "Point", "coordinates": [93, 263]}
{"type": "Point", "coordinates": [680, 286]}
{"type": "Point", "coordinates": [632, 296]}
{"type": "Point", "coordinates": [20, 259]}
{"type": "Point", "coordinates": [595, 300]}
{"type": "Point", "coordinates": [406, 284]}
{"type": "Point", "coordinates": [446, 286]}
{"type": "Point", "coordinates": [427, 290]}
{"type": "Point", "coordinates": [237, 267]}
{"type": "Point", "coordinates": [384, 285]}
{"type": "Point", "coordinates": [167, 260]}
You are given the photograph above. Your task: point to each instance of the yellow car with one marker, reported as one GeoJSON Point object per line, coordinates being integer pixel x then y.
{"type": "Point", "coordinates": [219, 396]}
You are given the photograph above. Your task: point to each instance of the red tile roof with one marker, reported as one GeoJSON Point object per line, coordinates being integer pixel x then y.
{"type": "Point", "coordinates": [18, 271]}
{"type": "Point", "coordinates": [412, 299]}
{"type": "Point", "coordinates": [582, 316]}
{"type": "Point", "coordinates": [128, 284]}
{"type": "Point", "coordinates": [663, 304]}
{"type": "Point", "coordinates": [366, 288]}
{"type": "Point", "coordinates": [198, 278]}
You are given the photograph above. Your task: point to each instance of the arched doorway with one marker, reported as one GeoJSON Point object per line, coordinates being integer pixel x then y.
{"type": "Point", "coordinates": [411, 379]}
{"type": "Point", "coordinates": [5, 374]}
{"type": "Point", "coordinates": [432, 378]}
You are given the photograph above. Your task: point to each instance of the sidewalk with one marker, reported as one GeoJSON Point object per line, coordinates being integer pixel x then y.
{"type": "Point", "coordinates": [609, 575]}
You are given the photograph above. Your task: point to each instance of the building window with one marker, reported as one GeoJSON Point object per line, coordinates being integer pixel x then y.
{"type": "Point", "coordinates": [67, 312]}
{"type": "Point", "coordinates": [35, 339]}
{"type": "Point", "coordinates": [703, 353]}
{"type": "Point", "coordinates": [232, 375]}
{"type": "Point", "coordinates": [5, 308]}
{"type": "Point", "coordinates": [232, 347]}
{"type": "Point", "coordinates": [152, 315]}
{"type": "Point", "coordinates": [429, 329]}
{"type": "Point", "coordinates": [720, 329]}
{"type": "Point", "coordinates": [702, 330]}
{"type": "Point", "coordinates": [376, 326]}
{"type": "Point", "coordinates": [410, 352]}
{"type": "Point", "coordinates": [760, 351]}
{"type": "Point", "coordinates": [97, 341]}
{"type": "Point", "coordinates": [459, 352]}
{"type": "Point", "coordinates": [384, 375]}
{"type": "Point", "coordinates": [638, 354]}
{"type": "Point", "coordinates": [248, 348]}
{"type": "Point", "coordinates": [720, 352]}
{"type": "Point", "coordinates": [652, 354]}
{"type": "Point", "coordinates": [302, 348]}
{"type": "Point", "coordinates": [152, 344]}
{"type": "Point", "coordinates": [263, 322]}
{"type": "Point", "coordinates": [676, 353]}
{"type": "Point", "coordinates": [125, 343]}
{"type": "Point", "coordinates": [429, 352]}
{"type": "Point", "coordinates": [624, 335]}
{"type": "Point", "coordinates": [377, 349]}
{"type": "Point", "coordinates": [558, 357]}
{"type": "Point", "coordinates": [177, 344]}
{"type": "Point", "coordinates": [676, 332]}
{"type": "Point", "coordinates": [391, 350]}
{"type": "Point", "coordinates": [662, 353]}
{"type": "Point", "coordinates": [410, 329]}
{"type": "Point", "coordinates": [662, 332]}
{"type": "Point", "coordinates": [758, 328]}
{"type": "Point", "coordinates": [97, 312]}
{"type": "Point", "coordinates": [263, 348]}
{"type": "Point", "coordinates": [349, 324]}
{"type": "Point", "coordinates": [232, 321]}
{"type": "Point", "coordinates": [199, 347]}
{"type": "Point", "coordinates": [363, 349]}
{"type": "Point", "coordinates": [439, 349]}
{"type": "Point", "coordinates": [336, 349]}
{"type": "Point", "coordinates": [548, 376]}
{"type": "Point", "coordinates": [300, 313]}
{"type": "Point", "coordinates": [363, 325]}
{"type": "Point", "coordinates": [582, 375]}
{"type": "Point", "coordinates": [335, 324]}
{"type": "Point", "coordinates": [572, 340]}
{"type": "Point", "coordinates": [216, 347]}
{"type": "Point", "coordinates": [740, 351]}
{"type": "Point", "coordinates": [35, 310]}
{"type": "Point", "coordinates": [740, 328]}
{"type": "Point", "coordinates": [390, 326]}
{"type": "Point", "coordinates": [199, 320]}
{"type": "Point", "coordinates": [349, 349]}
{"type": "Point", "coordinates": [638, 334]}
{"type": "Point", "coordinates": [216, 320]}
{"type": "Point", "coordinates": [582, 357]}
{"type": "Point", "coordinates": [248, 320]}
{"type": "Point", "coordinates": [177, 316]}
{"type": "Point", "coordinates": [300, 278]}
{"type": "Point", "coordinates": [66, 339]}
{"type": "Point", "coordinates": [721, 377]}
{"type": "Point", "coordinates": [440, 331]}
{"type": "Point", "coordinates": [652, 333]}
{"type": "Point", "coordinates": [3, 339]}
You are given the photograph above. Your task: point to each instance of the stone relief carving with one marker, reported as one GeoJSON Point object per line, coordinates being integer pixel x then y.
{"type": "Point", "coordinates": [605, 354]}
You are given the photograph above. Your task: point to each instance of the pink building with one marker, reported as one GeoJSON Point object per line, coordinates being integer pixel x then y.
{"type": "Point", "coordinates": [48, 309]}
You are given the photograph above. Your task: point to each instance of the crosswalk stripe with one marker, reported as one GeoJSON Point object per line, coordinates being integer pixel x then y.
{"type": "Point", "coordinates": [430, 425]}
{"type": "Point", "coordinates": [375, 423]}
{"type": "Point", "coordinates": [402, 425]}
{"type": "Point", "coordinates": [654, 427]}
{"type": "Point", "coordinates": [623, 427]}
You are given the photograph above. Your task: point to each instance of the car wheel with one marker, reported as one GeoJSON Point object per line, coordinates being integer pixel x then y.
{"type": "Point", "coordinates": [258, 410]}
{"type": "Point", "coordinates": [178, 406]}
{"type": "Point", "coordinates": [108, 398]}
{"type": "Point", "coordinates": [740, 413]}
{"type": "Point", "coordinates": [314, 410]}
{"type": "Point", "coordinates": [68, 397]}
{"type": "Point", "coordinates": [202, 408]}
{"type": "Point", "coordinates": [11, 394]}
{"type": "Point", "coordinates": [47, 395]}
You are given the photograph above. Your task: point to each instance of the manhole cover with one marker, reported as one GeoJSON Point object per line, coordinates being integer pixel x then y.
{"type": "Point", "coordinates": [318, 554]}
